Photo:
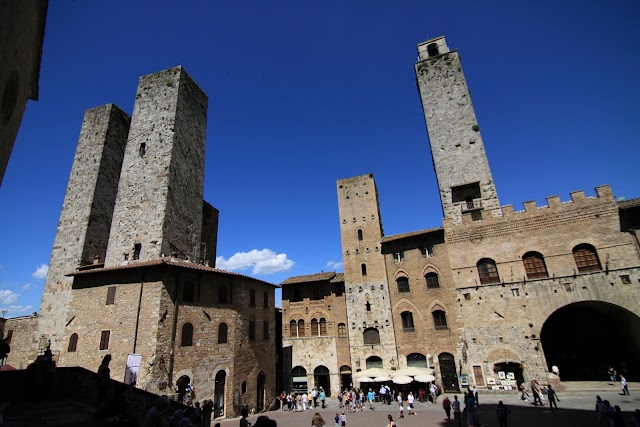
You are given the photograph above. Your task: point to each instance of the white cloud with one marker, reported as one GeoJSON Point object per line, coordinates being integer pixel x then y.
{"type": "Point", "coordinates": [8, 297]}
{"type": "Point", "coordinates": [263, 261]}
{"type": "Point", "coordinates": [26, 286]}
{"type": "Point", "coordinates": [41, 272]}
{"type": "Point", "coordinates": [334, 265]}
{"type": "Point", "coordinates": [18, 310]}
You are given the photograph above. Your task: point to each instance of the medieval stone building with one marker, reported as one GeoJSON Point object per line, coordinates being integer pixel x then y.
{"type": "Point", "coordinates": [130, 272]}
{"type": "Point", "coordinates": [491, 297]}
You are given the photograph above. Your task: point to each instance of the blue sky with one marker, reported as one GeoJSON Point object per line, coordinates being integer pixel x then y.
{"type": "Point", "coordinates": [303, 93]}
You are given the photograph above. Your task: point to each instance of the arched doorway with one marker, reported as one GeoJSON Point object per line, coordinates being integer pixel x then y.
{"type": "Point", "coordinates": [260, 392]}
{"type": "Point", "coordinates": [321, 379]}
{"type": "Point", "coordinates": [448, 372]}
{"type": "Point", "coordinates": [584, 338]}
{"type": "Point", "coordinates": [218, 394]}
{"type": "Point", "coordinates": [299, 379]}
{"type": "Point", "coordinates": [345, 377]}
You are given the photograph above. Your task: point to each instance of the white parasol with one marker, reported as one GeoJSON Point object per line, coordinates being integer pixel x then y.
{"type": "Point", "coordinates": [402, 379]}
{"type": "Point", "coordinates": [424, 378]}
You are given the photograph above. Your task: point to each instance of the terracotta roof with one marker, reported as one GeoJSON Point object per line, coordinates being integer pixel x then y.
{"type": "Point", "coordinates": [165, 261]}
{"type": "Point", "coordinates": [626, 204]}
{"type": "Point", "coordinates": [410, 234]}
{"type": "Point", "coordinates": [339, 277]}
{"type": "Point", "coordinates": [309, 278]}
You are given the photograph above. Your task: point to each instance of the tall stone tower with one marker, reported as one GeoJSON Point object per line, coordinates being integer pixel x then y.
{"type": "Point", "coordinates": [458, 154]}
{"type": "Point", "coordinates": [83, 230]}
{"type": "Point", "coordinates": [159, 206]}
{"type": "Point", "coordinates": [367, 294]}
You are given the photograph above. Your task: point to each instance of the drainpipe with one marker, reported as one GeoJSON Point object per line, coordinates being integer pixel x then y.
{"type": "Point", "coordinates": [173, 331]}
{"type": "Point", "coordinates": [135, 336]}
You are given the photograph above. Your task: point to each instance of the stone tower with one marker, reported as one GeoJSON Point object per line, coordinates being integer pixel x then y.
{"type": "Point", "coordinates": [458, 154]}
{"type": "Point", "coordinates": [367, 295]}
{"type": "Point", "coordinates": [85, 220]}
{"type": "Point", "coordinates": [159, 206]}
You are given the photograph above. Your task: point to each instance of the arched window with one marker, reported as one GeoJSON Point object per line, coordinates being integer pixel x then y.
{"type": "Point", "coordinates": [432, 280]}
{"type": "Point", "coordinates": [403, 284]}
{"type": "Point", "coordinates": [432, 50]}
{"type": "Point", "coordinates": [222, 294]}
{"type": "Point", "coordinates": [374, 362]}
{"type": "Point", "coordinates": [488, 271]}
{"type": "Point", "coordinates": [323, 327]}
{"type": "Point", "coordinates": [222, 333]}
{"type": "Point", "coordinates": [363, 268]}
{"type": "Point", "coordinates": [534, 265]}
{"type": "Point", "coordinates": [301, 328]}
{"type": "Point", "coordinates": [252, 298]}
{"type": "Point", "coordinates": [407, 321]}
{"type": "Point", "coordinates": [586, 258]}
{"type": "Point", "coordinates": [314, 328]}
{"type": "Point", "coordinates": [293, 329]}
{"type": "Point", "coordinates": [371, 336]}
{"type": "Point", "coordinates": [187, 292]}
{"type": "Point", "coordinates": [360, 235]}
{"type": "Point", "coordinates": [266, 300]}
{"type": "Point", "coordinates": [440, 320]}
{"type": "Point", "coordinates": [73, 343]}
{"type": "Point", "coordinates": [342, 330]}
{"type": "Point", "coordinates": [296, 295]}
{"type": "Point", "coordinates": [417, 360]}
{"type": "Point", "coordinates": [187, 335]}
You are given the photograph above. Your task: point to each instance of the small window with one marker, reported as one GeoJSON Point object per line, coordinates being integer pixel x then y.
{"type": "Point", "coordinates": [427, 251]}
{"type": "Point", "coordinates": [301, 331]}
{"type": "Point", "coordinates": [73, 343]}
{"type": "Point", "coordinates": [368, 306]}
{"type": "Point", "coordinates": [407, 321]}
{"type": "Point", "coordinates": [440, 320]}
{"type": "Point", "coordinates": [467, 296]}
{"type": "Point", "coordinates": [187, 335]}
{"type": "Point", "coordinates": [252, 330]}
{"type": "Point", "coordinates": [265, 299]}
{"type": "Point", "coordinates": [371, 336]}
{"type": "Point", "coordinates": [187, 292]}
{"type": "Point", "coordinates": [363, 268]}
{"type": "Point", "coordinates": [398, 257]}
{"type": "Point", "coordinates": [265, 330]}
{"type": "Point", "coordinates": [222, 294]}
{"type": "Point", "coordinates": [515, 292]}
{"type": "Point", "coordinates": [432, 280]}
{"type": "Point", "coordinates": [143, 149]}
{"type": "Point", "coordinates": [432, 50]}
{"type": "Point", "coordinates": [244, 387]}
{"type": "Point", "coordinates": [403, 284]}
{"type": "Point", "coordinates": [534, 265]}
{"type": "Point", "coordinates": [568, 287]}
{"type": "Point", "coordinates": [488, 271]}
{"type": "Point", "coordinates": [323, 327]}
{"type": "Point", "coordinates": [104, 340]}
{"type": "Point", "coordinates": [314, 328]}
{"type": "Point", "coordinates": [342, 330]}
{"type": "Point", "coordinates": [111, 295]}
{"type": "Point", "coordinates": [293, 329]}
{"type": "Point", "coordinates": [625, 279]}
{"type": "Point", "coordinates": [360, 235]}
{"type": "Point", "coordinates": [586, 258]}
{"type": "Point", "coordinates": [252, 298]}
{"type": "Point", "coordinates": [222, 333]}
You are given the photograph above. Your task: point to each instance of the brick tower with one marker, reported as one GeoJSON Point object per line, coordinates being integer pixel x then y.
{"type": "Point", "coordinates": [458, 154]}
{"type": "Point", "coordinates": [367, 295]}
{"type": "Point", "coordinates": [83, 230]}
{"type": "Point", "coordinates": [159, 206]}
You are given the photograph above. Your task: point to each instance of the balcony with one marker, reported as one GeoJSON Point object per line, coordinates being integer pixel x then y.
{"type": "Point", "coordinates": [471, 205]}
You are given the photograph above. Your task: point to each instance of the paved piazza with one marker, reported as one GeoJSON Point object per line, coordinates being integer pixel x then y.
{"type": "Point", "coordinates": [577, 408]}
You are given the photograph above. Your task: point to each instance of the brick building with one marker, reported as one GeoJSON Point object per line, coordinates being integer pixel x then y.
{"type": "Point", "coordinates": [130, 272]}
{"type": "Point", "coordinates": [491, 297]}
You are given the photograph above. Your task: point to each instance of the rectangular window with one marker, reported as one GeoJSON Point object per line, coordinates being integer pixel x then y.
{"type": "Point", "coordinates": [515, 292]}
{"type": "Point", "coordinates": [427, 251]}
{"type": "Point", "coordinates": [252, 330]}
{"type": "Point", "coordinates": [342, 330]}
{"type": "Point", "coordinates": [568, 287]}
{"type": "Point", "coordinates": [265, 330]}
{"type": "Point", "coordinates": [111, 295]}
{"type": "Point", "coordinates": [104, 340]}
{"type": "Point", "coordinates": [398, 257]}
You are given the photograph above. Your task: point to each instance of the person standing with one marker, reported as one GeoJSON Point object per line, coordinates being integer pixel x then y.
{"type": "Point", "coordinates": [524, 395]}
{"type": "Point", "coordinates": [475, 395]}
{"type": "Point", "coordinates": [502, 412]}
{"type": "Point", "coordinates": [244, 422]}
{"type": "Point", "coordinates": [617, 418]}
{"type": "Point", "coordinates": [625, 386]}
{"type": "Point", "coordinates": [323, 398]}
{"type": "Point", "coordinates": [434, 392]}
{"type": "Point", "coordinates": [314, 396]}
{"type": "Point", "coordinates": [601, 409]}
{"type": "Point", "coordinates": [536, 396]}
{"type": "Point", "coordinates": [391, 422]}
{"type": "Point", "coordinates": [410, 400]}
{"type": "Point", "coordinates": [446, 405]}
{"type": "Point", "coordinates": [456, 410]}
{"type": "Point", "coordinates": [305, 401]}
{"type": "Point", "coordinates": [370, 397]}
{"type": "Point", "coordinates": [400, 405]}
{"type": "Point", "coordinates": [612, 375]}
{"type": "Point", "coordinates": [552, 396]}
{"type": "Point", "coordinates": [104, 378]}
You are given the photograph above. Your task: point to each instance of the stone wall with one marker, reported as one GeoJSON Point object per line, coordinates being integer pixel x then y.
{"type": "Point", "coordinates": [23, 331]}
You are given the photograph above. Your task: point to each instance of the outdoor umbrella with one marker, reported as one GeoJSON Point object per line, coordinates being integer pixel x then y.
{"type": "Point", "coordinates": [412, 371]}
{"type": "Point", "coordinates": [382, 378]}
{"type": "Point", "coordinates": [402, 379]}
{"type": "Point", "coordinates": [424, 378]}
{"type": "Point", "coordinates": [365, 379]}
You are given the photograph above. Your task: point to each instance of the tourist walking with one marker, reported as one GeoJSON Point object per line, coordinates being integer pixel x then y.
{"type": "Point", "coordinates": [323, 398]}
{"type": "Point", "coordinates": [625, 386]}
{"type": "Point", "coordinates": [612, 375]}
{"type": "Point", "coordinates": [536, 395]}
{"type": "Point", "coordinates": [446, 405]}
{"type": "Point", "coordinates": [552, 396]}
{"type": "Point", "coordinates": [370, 397]}
{"type": "Point", "coordinates": [400, 407]}
{"type": "Point", "coordinates": [456, 410]}
{"type": "Point", "coordinates": [502, 412]}
{"type": "Point", "coordinates": [601, 409]}
{"type": "Point", "coordinates": [434, 392]}
{"type": "Point", "coordinates": [410, 399]}
{"type": "Point", "coordinates": [524, 395]}
{"type": "Point", "coordinates": [391, 422]}
{"type": "Point", "coordinates": [475, 395]}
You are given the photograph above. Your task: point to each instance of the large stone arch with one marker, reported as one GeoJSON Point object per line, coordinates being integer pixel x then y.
{"type": "Point", "coordinates": [584, 338]}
